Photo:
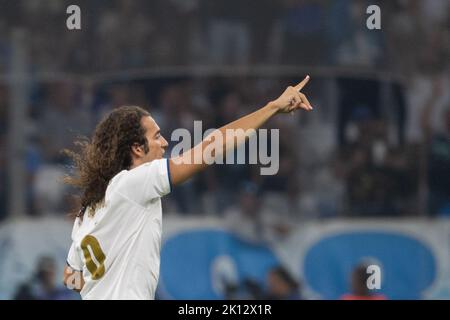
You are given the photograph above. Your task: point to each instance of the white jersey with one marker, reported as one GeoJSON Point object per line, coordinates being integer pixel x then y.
{"type": "Point", "coordinates": [118, 249]}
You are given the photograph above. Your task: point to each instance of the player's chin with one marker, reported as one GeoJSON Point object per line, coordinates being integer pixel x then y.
{"type": "Point", "coordinates": [161, 155]}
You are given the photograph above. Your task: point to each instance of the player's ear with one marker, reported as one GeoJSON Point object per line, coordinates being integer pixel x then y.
{"type": "Point", "coordinates": [137, 150]}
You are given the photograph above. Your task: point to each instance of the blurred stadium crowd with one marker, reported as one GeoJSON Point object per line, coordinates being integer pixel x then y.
{"type": "Point", "coordinates": [371, 156]}
{"type": "Point", "coordinates": [378, 143]}
{"type": "Point", "coordinates": [120, 34]}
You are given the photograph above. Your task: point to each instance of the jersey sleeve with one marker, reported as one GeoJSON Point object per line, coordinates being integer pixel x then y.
{"type": "Point", "coordinates": [74, 259]}
{"type": "Point", "coordinates": [146, 182]}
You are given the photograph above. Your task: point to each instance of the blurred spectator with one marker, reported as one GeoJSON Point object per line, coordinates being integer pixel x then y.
{"type": "Point", "coordinates": [362, 47]}
{"type": "Point", "coordinates": [254, 217]}
{"type": "Point", "coordinates": [359, 105]}
{"type": "Point", "coordinates": [3, 109]}
{"type": "Point", "coordinates": [33, 162]}
{"type": "Point", "coordinates": [3, 179]}
{"type": "Point", "coordinates": [3, 151]}
{"type": "Point", "coordinates": [330, 189]}
{"type": "Point", "coordinates": [245, 219]}
{"type": "Point", "coordinates": [406, 27]}
{"type": "Point", "coordinates": [61, 118]}
{"type": "Point", "coordinates": [376, 186]}
{"type": "Point", "coordinates": [229, 35]}
{"type": "Point", "coordinates": [338, 26]}
{"type": "Point", "coordinates": [358, 286]}
{"type": "Point", "coordinates": [362, 184]}
{"type": "Point", "coordinates": [282, 286]}
{"type": "Point", "coordinates": [427, 100]}
{"type": "Point", "coordinates": [116, 95]}
{"type": "Point", "coordinates": [42, 285]}
{"type": "Point", "coordinates": [263, 31]}
{"type": "Point", "coordinates": [303, 24]}
{"type": "Point", "coordinates": [402, 180]}
{"type": "Point", "coordinates": [64, 119]}
{"type": "Point", "coordinates": [4, 46]}
{"type": "Point", "coordinates": [438, 170]}
{"type": "Point", "coordinates": [49, 191]}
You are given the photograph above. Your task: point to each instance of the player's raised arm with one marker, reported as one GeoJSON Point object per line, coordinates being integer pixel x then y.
{"type": "Point", "coordinates": [194, 160]}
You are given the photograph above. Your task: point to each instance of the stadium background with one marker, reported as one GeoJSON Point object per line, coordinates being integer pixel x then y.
{"type": "Point", "coordinates": [365, 177]}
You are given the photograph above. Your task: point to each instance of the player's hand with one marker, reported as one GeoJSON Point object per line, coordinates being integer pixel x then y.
{"type": "Point", "coordinates": [292, 99]}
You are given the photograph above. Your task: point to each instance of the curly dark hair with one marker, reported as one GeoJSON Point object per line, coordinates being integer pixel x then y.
{"type": "Point", "coordinates": [106, 154]}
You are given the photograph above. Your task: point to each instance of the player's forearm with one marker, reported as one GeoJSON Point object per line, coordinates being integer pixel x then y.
{"type": "Point", "coordinates": [239, 129]}
{"type": "Point", "coordinates": [196, 159]}
{"type": "Point", "coordinates": [253, 120]}
{"type": "Point", "coordinates": [231, 135]}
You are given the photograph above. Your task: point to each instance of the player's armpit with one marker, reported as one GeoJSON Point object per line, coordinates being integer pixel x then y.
{"type": "Point", "coordinates": [73, 279]}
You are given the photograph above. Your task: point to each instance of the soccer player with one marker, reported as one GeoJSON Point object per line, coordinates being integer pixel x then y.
{"type": "Point", "coordinates": [115, 253]}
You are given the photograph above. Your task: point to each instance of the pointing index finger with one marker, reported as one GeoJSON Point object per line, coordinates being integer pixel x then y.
{"type": "Point", "coordinates": [302, 84]}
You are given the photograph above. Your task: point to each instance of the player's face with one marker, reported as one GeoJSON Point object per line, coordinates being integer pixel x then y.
{"type": "Point", "coordinates": [156, 142]}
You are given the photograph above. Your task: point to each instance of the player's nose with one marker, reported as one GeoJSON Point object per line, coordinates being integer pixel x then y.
{"type": "Point", "coordinates": [164, 144]}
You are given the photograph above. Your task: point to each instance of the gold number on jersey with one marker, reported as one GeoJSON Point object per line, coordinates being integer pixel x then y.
{"type": "Point", "coordinates": [97, 267]}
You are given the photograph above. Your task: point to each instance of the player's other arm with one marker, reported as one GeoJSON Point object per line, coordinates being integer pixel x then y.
{"type": "Point", "coordinates": [73, 279]}
{"type": "Point", "coordinates": [192, 161]}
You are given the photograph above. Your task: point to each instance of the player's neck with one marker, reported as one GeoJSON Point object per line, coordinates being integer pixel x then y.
{"type": "Point", "coordinates": [136, 163]}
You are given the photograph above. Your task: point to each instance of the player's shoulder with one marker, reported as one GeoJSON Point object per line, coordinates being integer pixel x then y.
{"type": "Point", "coordinates": [142, 183]}
{"type": "Point", "coordinates": [79, 227]}
{"type": "Point", "coordinates": [139, 172]}
{"type": "Point", "coordinates": [117, 178]}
